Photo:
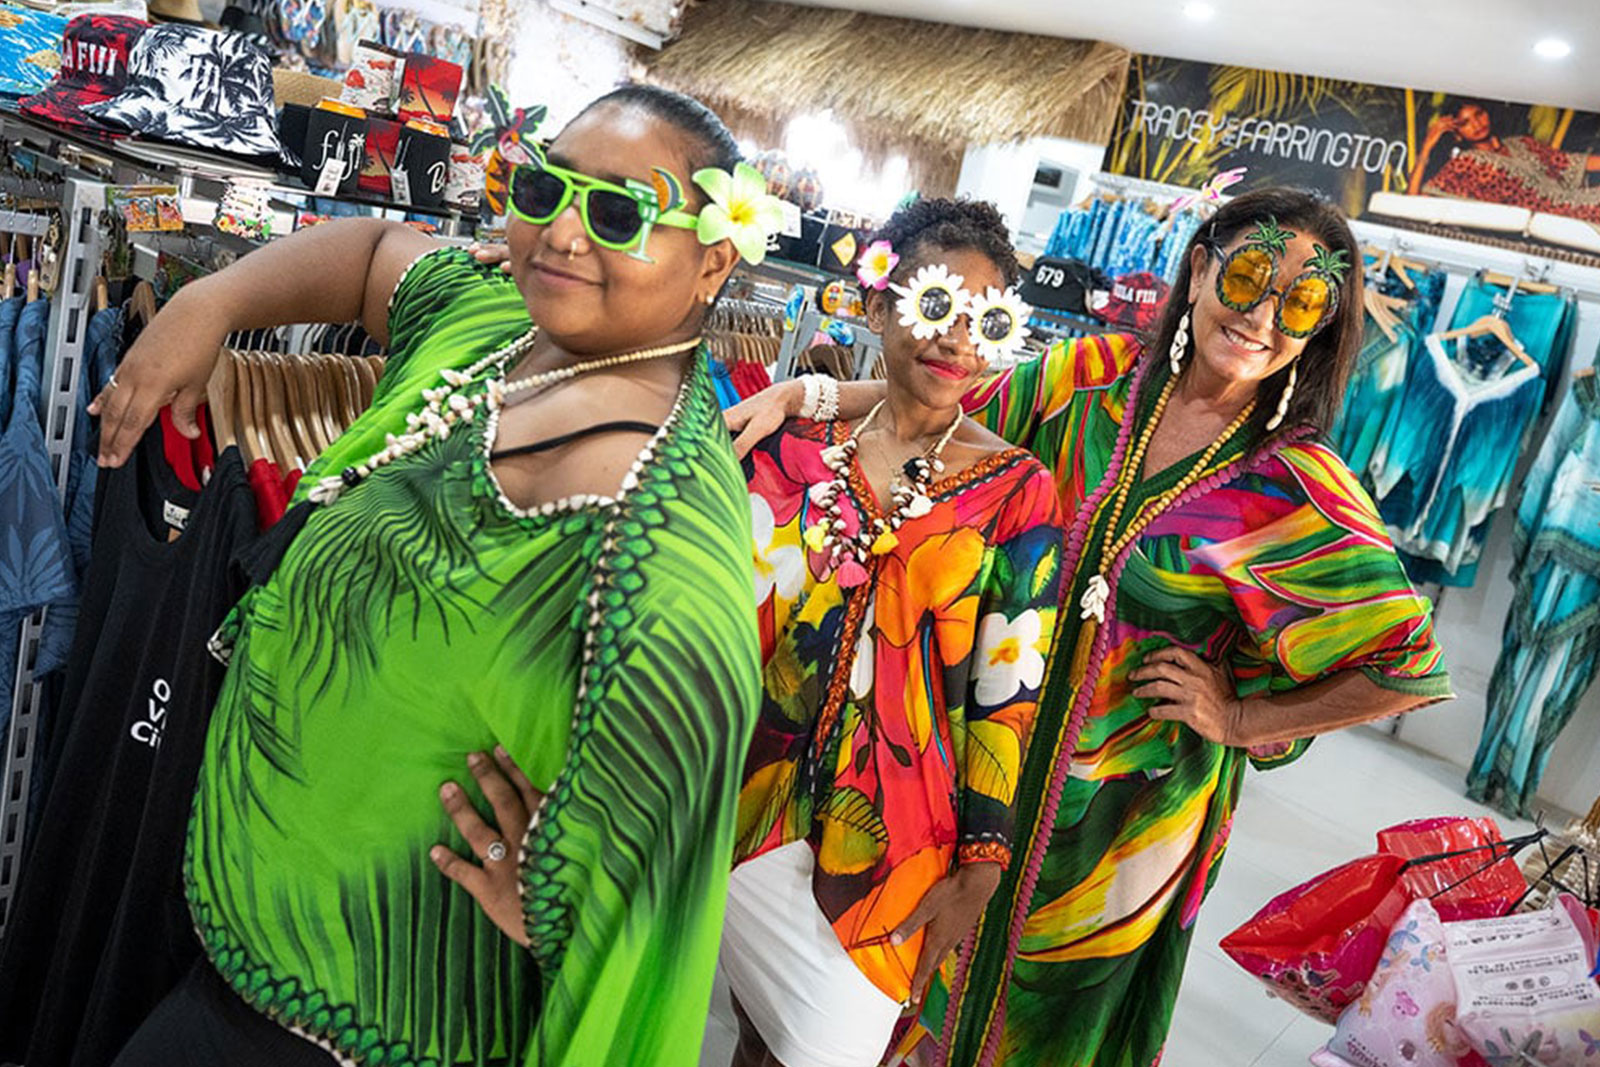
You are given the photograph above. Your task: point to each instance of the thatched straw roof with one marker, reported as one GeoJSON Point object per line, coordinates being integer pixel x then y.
{"type": "Point", "coordinates": [927, 89]}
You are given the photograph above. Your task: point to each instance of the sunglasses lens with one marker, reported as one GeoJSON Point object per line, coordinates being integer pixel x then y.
{"type": "Point", "coordinates": [1305, 306]}
{"type": "Point", "coordinates": [1246, 276]}
{"type": "Point", "coordinates": [996, 325]}
{"type": "Point", "coordinates": [536, 193]}
{"type": "Point", "coordinates": [936, 305]}
{"type": "Point", "coordinates": [613, 216]}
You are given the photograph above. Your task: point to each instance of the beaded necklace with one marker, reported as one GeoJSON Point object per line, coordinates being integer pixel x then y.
{"type": "Point", "coordinates": [446, 406]}
{"type": "Point", "coordinates": [908, 492]}
{"type": "Point", "coordinates": [1097, 592]}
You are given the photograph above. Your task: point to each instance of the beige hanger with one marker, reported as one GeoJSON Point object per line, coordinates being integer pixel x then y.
{"type": "Point", "coordinates": [244, 424]}
{"type": "Point", "coordinates": [313, 372]}
{"type": "Point", "coordinates": [1523, 285]}
{"type": "Point", "coordinates": [1383, 310]}
{"type": "Point", "coordinates": [1495, 325]}
{"type": "Point", "coordinates": [142, 303]}
{"type": "Point", "coordinates": [220, 401]}
{"type": "Point", "coordinates": [295, 406]}
{"type": "Point", "coordinates": [353, 406]}
{"type": "Point", "coordinates": [102, 296]}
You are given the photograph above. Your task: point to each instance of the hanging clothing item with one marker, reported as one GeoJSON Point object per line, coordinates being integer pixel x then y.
{"type": "Point", "coordinates": [1275, 562]}
{"type": "Point", "coordinates": [895, 711]}
{"type": "Point", "coordinates": [1453, 449]}
{"type": "Point", "coordinates": [1377, 387]}
{"type": "Point", "coordinates": [607, 644]}
{"type": "Point", "coordinates": [1543, 323]}
{"type": "Point", "coordinates": [1551, 647]}
{"type": "Point", "coordinates": [99, 932]}
{"type": "Point", "coordinates": [35, 561]}
{"type": "Point", "coordinates": [98, 361]}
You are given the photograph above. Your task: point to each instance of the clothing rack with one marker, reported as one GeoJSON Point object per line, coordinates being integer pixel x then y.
{"type": "Point", "coordinates": [81, 204]}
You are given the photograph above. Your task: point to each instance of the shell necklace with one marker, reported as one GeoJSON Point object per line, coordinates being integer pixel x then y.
{"type": "Point", "coordinates": [1097, 593]}
{"type": "Point", "coordinates": [908, 491]}
{"type": "Point", "coordinates": [446, 406]}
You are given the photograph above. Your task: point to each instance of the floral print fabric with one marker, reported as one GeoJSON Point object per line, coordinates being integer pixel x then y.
{"type": "Point", "coordinates": [895, 714]}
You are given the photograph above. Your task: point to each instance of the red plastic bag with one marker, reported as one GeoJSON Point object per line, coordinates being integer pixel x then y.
{"type": "Point", "coordinates": [1316, 945]}
{"type": "Point", "coordinates": [1474, 885]}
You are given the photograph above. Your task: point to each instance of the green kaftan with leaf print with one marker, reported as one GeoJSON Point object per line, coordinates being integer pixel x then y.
{"type": "Point", "coordinates": [610, 646]}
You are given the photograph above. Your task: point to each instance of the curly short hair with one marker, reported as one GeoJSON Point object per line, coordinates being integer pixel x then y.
{"type": "Point", "coordinates": [940, 223]}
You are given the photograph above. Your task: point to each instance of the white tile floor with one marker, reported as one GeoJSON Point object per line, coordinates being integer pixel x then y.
{"type": "Point", "coordinates": [1292, 824]}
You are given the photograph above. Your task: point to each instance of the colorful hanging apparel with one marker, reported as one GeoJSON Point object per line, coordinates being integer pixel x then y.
{"type": "Point", "coordinates": [1274, 559]}
{"type": "Point", "coordinates": [896, 711]}
{"type": "Point", "coordinates": [608, 644]}
{"type": "Point", "coordinates": [1551, 648]}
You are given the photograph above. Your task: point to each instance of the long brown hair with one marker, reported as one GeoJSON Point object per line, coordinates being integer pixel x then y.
{"type": "Point", "coordinates": [1324, 366]}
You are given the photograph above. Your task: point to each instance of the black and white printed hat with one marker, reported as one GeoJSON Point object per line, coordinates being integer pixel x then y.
{"type": "Point", "coordinates": [195, 86]}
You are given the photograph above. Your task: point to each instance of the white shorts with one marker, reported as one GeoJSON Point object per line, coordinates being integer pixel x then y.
{"type": "Point", "coordinates": [786, 968]}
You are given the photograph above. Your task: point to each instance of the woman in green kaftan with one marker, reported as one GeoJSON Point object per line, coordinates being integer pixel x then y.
{"type": "Point", "coordinates": [534, 546]}
{"type": "Point", "coordinates": [1229, 592]}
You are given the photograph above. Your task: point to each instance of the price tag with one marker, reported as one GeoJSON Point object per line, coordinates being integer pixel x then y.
{"type": "Point", "coordinates": [400, 186]}
{"type": "Point", "coordinates": [791, 218]}
{"type": "Point", "coordinates": [330, 177]}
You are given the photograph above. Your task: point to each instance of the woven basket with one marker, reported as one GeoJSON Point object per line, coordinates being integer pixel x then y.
{"type": "Point", "coordinates": [298, 87]}
{"type": "Point", "coordinates": [1579, 871]}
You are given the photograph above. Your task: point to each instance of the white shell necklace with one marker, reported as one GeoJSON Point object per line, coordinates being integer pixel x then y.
{"type": "Point", "coordinates": [446, 406]}
{"type": "Point", "coordinates": [908, 491]}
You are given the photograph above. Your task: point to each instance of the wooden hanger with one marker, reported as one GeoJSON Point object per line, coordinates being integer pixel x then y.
{"type": "Point", "coordinates": [142, 303]}
{"type": "Point", "coordinates": [245, 427]}
{"type": "Point", "coordinates": [313, 373]}
{"type": "Point", "coordinates": [1501, 330]}
{"type": "Point", "coordinates": [220, 401]}
{"type": "Point", "coordinates": [102, 295]}
{"type": "Point", "coordinates": [1383, 310]}
{"type": "Point", "coordinates": [297, 406]}
{"type": "Point", "coordinates": [1521, 285]}
{"type": "Point", "coordinates": [270, 401]}
{"type": "Point", "coordinates": [352, 389]}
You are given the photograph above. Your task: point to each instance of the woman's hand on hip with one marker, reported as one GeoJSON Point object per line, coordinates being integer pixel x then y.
{"type": "Point", "coordinates": [758, 416]}
{"type": "Point", "coordinates": [1192, 691]}
{"type": "Point", "coordinates": [949, 910]}
{"type": "Point", "coordinates": [491, 874]}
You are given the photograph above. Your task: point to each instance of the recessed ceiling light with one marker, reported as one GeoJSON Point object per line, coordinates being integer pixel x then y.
{"type": "Point", "coordinates": [1199, 12]}
{"type": "Point", "coordinates": [1552, 48]}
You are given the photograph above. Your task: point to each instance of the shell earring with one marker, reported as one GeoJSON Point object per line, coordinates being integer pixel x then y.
{"type": "Point", "coordinates": [1283, 401]}
{"type": "Point", "coordinates": [1180, 344]}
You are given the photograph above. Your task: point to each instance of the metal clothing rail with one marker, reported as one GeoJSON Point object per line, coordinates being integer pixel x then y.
{"type": "Point", "coordinates": [81, 204]}
{"type": "Point", "coordinates": [24, 223]}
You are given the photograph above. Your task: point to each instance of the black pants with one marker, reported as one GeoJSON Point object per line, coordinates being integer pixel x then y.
{"type": "Point", "coordinates": [203, 1023]}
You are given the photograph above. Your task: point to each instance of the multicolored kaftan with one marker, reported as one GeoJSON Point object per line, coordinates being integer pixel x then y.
{"type": "Point", "coordinates": [608, 644]}
{"type": "Point", "coordinates": [896, 713]}
{"type": "Point", "coordinates": [1275, 560]}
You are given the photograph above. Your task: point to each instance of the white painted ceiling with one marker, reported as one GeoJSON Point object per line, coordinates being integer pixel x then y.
{"type": "Point", "coordinates": [1476, 47]}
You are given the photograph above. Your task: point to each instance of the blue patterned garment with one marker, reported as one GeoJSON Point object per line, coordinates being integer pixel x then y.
{"type": "Point", "coordinates": [102, 348]}
{"type": "Point", "coordinates": [1551, 647]}
{"type": "Point", "coordinates": [1453, 447]}
{"type": "Point", "coordinates": [30, 49]}
{"type": "Point", "coordinates": [35, 565]}
{"type": "Point", "coordinates": [1377, 385]}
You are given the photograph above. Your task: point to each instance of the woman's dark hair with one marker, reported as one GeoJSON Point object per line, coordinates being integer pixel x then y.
{"type": "Point", "coordinates": [938, 223]}
{"type": "Point", "coordinates": [713, 143]}
{"type": "Point", "coordinates": [1324, 366]}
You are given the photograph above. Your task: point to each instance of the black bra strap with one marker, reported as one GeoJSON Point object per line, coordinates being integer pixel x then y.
{"type": "Point", "coordinates": [623, 426]}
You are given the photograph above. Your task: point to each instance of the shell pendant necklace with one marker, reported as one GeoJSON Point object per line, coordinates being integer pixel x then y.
{"type": "Point", "coordinates": [847, 556]}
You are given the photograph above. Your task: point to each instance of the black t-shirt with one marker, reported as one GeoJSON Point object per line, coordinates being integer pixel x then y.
{"type": "Point", "coordinates": [99, 931]}
{"type": "Point", "coordinates": [1056, 284]}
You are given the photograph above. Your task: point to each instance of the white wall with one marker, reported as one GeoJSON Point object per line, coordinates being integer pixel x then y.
{"type": "Point", "coordinates": [562, 63]}
{"type": "Point", "coordinates": [1003, 173]}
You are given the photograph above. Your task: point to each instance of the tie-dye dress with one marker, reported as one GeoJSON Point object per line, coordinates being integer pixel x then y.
{"type": "Point", "coordinates": [1276, 560]}
{"type": "Point", "coordinates": [895, 713]}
